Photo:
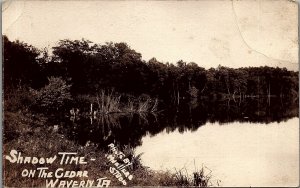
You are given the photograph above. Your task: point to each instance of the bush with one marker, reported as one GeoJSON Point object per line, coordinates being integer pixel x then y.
{"type": "Point", "coordinates": [18, 98]}
{"type": "Point", "coordinates": [53, 96]}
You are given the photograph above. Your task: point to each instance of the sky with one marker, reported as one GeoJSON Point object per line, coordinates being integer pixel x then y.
{"type": "Point", "coordinates": [210, 33]}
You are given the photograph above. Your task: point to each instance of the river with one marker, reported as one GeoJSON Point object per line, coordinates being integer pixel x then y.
{"type": "Point", "coordinates": [238, 154]}
{"type": "Point", "coordinates": [254, 142]}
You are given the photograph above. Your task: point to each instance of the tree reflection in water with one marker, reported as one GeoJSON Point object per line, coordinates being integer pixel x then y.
{"type": "Point", "coordinates": [128, 129]}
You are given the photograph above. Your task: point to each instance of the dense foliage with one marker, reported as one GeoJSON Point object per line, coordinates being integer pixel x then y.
{"type": "Point", "coordinates": [90, 68]}
{"type": "Point", "coordinates": [53, 96]}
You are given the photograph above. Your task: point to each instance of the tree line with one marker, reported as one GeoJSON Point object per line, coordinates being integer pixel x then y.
{"type": "Point", "coordinates": [88, 68]}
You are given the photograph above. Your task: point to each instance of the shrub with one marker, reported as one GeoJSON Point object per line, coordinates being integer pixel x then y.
{"type": "Point", "coordinates": [53, 96]}
{"type": "Point", "coordinates": [19, 98]}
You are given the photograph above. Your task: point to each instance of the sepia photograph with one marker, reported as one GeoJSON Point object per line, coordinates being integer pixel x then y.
{"type": "Point", "coordinates": [155, 93]}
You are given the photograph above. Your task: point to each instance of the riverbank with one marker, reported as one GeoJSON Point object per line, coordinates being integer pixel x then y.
{"type": "Point", "coordinates": [31, 135]}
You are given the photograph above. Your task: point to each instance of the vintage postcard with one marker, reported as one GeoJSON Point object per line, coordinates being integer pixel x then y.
{"type": "Point", "coordinates": [150, 93]}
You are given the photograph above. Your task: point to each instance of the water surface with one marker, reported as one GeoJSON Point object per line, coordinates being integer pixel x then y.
{"type": "Point", "coordinates": [239, 154]}
{"type": "Point", "coordinates": [253, 142]}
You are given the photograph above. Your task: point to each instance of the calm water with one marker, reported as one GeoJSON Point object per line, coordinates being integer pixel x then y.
{"type": "Point", "coordinates": [239, 154]}
{"type": "Point", "coordinates": [248, 143]}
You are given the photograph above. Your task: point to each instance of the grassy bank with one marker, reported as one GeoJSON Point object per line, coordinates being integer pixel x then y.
{"type": "Point", "coordinates": [33, 136]}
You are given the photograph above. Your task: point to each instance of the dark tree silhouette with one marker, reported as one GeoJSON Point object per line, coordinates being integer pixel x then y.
{"type": "Point", "coordinates": [90, 67]}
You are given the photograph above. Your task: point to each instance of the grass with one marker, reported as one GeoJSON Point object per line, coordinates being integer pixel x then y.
{"type": "Point", "coordinates": [198, 178]}
{"type": "Point", "coordinates": [182, 178]}
{"type": "Point", "coordinates": [110, 102]}
{"type": "Point", "coordinates": [134, 158]}
{"type": "Point", "coordinates": [36, 139]}
{"type": "Point", "coordinates": [201, 179]}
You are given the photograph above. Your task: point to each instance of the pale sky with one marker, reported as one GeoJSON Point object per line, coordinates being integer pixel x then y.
{"type": "Point", "coordinates": [235, 34]}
